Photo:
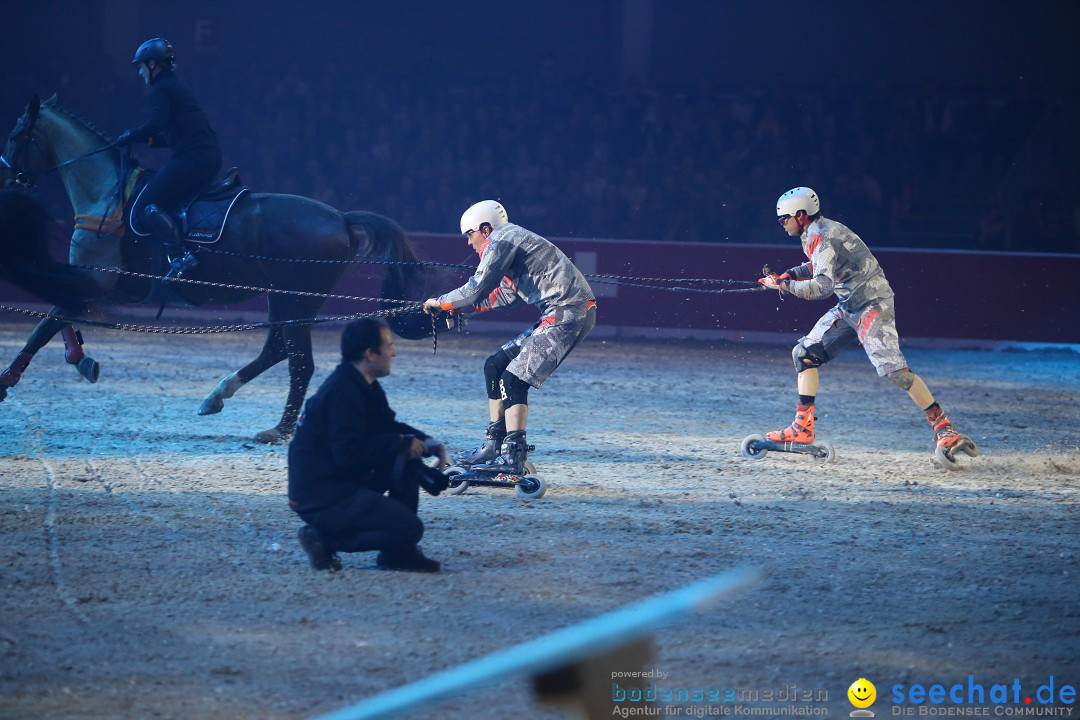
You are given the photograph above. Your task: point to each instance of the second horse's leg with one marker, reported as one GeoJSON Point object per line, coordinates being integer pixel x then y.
{"type": "Point", "coordinates": [73, 353]}
{"type": "Point", "coordinates": [301, 368]}
{"type": "Point", "coordinates": [44, 332]}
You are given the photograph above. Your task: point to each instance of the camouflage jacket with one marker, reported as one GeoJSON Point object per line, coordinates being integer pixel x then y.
{"type": "Point", "coordinates": [518, 264]}
{"type": "Point", "coordinates": [840, 263]}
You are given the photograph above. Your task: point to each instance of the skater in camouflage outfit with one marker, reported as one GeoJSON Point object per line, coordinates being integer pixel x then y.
{"type": "Point", "coordinates": [517, 265]}
{"type": "Point", "coordinates": [838, 262]}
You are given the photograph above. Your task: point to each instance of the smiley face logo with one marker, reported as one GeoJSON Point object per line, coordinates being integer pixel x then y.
{"type": "Point", "coordinates": [862, 693]}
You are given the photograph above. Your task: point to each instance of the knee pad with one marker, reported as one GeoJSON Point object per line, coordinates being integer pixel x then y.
{"type": "Point", "coordinates": [493, 371]}
{"type": "Point", "coordinates": [902, 378]}
{"type": "Point", "coordinates": [515, 391]}
{"type": "Point", "coordinates": [808, 357]}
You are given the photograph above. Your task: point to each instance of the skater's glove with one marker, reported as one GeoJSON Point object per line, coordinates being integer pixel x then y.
{"type": "Point", "coordinates": [126, 138]}
{"type": "Point", "coordinates": [769, 281]}
{"type": "Point", "coordinates": [774, 281]}
{"type": "Point", "coordinates": [432, 306]}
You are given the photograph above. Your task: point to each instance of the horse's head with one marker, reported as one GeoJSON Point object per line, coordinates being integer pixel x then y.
{"type": "Point", "coordinates": [24, 158]}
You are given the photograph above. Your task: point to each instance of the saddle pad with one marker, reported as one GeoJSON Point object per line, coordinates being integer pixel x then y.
{"type": "Point", "coordinates": [205, 219]}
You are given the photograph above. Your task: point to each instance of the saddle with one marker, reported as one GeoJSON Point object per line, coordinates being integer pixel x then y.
{"type": "Point", "coordinates": [203, 219]}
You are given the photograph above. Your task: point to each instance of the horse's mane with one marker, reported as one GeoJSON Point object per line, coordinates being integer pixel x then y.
{"type": "Point", "coordinates": [81, 120]}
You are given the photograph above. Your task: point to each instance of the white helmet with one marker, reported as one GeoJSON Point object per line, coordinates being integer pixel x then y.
{"type": "Point", "coordinates": [485, 211]}
{"type": "Point", "coordinates": [796, 199]}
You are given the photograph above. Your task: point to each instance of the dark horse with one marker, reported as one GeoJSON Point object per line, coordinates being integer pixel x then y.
{"type": "Point", "coordinates": [274, 227]}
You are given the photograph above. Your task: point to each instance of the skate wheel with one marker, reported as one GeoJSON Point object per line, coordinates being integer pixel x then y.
{"type": "Point", "coordinates": [945, 460]}
{"type": "Point", "coordinates": [532, 487]}
{"type": "Point", "coordinates": [455, 485]}
{"type": "Point", "coordinates": [751, 449]}
{"type": "Point", "coordinates": [828, 454]}
{"type": "Point", "coordinates": [528, 468]}
{"type": "Point", "coordinates": [971, 449]}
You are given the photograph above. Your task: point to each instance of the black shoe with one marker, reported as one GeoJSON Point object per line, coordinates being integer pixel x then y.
{"type": "Point", "coordinates": [410, 560]}
{"type": "Point", "coordinates": [321, 558]}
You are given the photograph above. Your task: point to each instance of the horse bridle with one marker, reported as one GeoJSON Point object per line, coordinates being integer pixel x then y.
{"type": "Point", "coordinates": [21, 137]}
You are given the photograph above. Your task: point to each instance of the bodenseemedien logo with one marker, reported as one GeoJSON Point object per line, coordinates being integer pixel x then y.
{"type": "Point", "coordinates": [862, 694]}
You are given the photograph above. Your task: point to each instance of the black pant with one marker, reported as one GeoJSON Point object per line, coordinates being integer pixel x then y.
{"type": "Point", "coordinates": [181, 179]}
{"type": "Point", "coordinates": [370, 520]}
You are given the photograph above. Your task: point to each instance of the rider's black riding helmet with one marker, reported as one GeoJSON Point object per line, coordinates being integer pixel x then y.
{"type": "Point", "coordinates": [159, 50]}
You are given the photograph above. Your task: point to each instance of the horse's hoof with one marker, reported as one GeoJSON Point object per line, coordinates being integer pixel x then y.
{"type": "Point", "coordinates": [212, 405]}
{"type": "Point", "coordinates": [273, 436]}
{"type": "Point", "coordinates": [88, 368]}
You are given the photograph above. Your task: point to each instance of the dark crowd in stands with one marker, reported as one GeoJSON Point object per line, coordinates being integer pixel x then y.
{"type": "Point", "coordinates": [904, 167]}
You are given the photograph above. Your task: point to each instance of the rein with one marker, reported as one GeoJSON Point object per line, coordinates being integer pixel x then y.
{"type": "Point", "coordinates": [23, 178]}
{"type": "Point", "coordinates": [82, 157]}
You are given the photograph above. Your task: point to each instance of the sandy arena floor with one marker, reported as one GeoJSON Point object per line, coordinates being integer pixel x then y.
{"type": "Point", "coordinates": [149, 566]}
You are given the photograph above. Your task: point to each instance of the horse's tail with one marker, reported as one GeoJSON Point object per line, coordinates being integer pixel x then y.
{"type": "Point", "coordinates": [25, 260]}
{"type": "Point", "coordinates": [387, 241]}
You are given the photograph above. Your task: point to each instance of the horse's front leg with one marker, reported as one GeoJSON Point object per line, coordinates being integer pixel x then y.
{"type": "Point", "coordinates": [73, 353]}
{"type": "Point", "coordinates": [301, 368]}
{"type": "Point", "coordinates": [44, 332]}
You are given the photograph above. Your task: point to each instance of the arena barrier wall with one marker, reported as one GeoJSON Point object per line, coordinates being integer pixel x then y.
{"type": "Point", "coordinates": [981, 299]}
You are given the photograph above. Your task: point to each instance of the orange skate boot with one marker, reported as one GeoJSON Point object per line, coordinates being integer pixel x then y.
{"type": "Point", "coordinates": [797, 438]}
{"type": "Point", "coordinates": [800, 431]}
{"type": "Point", "coordinates": [949, 443]}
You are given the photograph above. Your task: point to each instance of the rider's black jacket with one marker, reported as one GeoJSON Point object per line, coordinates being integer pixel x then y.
{"type": "Point", "coordinates": [177, 120]}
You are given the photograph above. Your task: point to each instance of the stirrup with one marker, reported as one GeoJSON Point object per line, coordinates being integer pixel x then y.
{"type": "Point", "coordinates": [180, 264]}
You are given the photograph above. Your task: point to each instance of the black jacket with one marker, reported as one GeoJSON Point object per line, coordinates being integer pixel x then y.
{"type": "Point", "coordinates": [347, 438]}
{"type": "Point", "coordinates": [176, 119]}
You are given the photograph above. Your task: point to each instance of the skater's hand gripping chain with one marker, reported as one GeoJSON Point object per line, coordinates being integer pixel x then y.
{"type": "Point", "coordinates": [775, 282]}
{"type": "Point", "coordinates": [432, 307]}
{"type": "Point", "coordinates": [772, 281]}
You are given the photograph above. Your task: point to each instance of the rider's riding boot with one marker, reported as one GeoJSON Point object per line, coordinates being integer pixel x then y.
{"type": "Point", "coordinates": [800, 431]}
{"type": "Point", "coordinates": [163, 225]}
{"type": "Point", "coordinates": [512, 455]}
{"type": "Point", "coordinates": [496, 431]}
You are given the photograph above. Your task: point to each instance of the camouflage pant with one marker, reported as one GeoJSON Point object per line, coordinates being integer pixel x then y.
{"type": "Point", "coordinates": [874, 326]}
{"type": "Point", "coordinates": [540, 349]}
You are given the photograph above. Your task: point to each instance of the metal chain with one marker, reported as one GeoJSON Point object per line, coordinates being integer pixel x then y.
{"type": "Point", "coordinates": [625, 280]}
{"type": "Point", "coordinates": [408, 306]}
{"type": "Point", "coordinates": [300, 293]}
{"type": "Point", "coordinates": [351, 261]}
{"type": "Point", "coordinates": [205, 330]}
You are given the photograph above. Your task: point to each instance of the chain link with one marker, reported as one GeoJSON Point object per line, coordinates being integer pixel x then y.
{"type": "Point", "coordinates": [204, 330]}
{"type": "Point", "coordinates": [624, 280]}
{"type": "Point", "coordinates": [252, 288]}
{"type": "Point", "coordinates": [408, 306]}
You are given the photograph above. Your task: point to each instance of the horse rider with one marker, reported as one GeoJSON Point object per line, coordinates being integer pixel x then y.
{"type": "Point", "coordinates": [176, 121]}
